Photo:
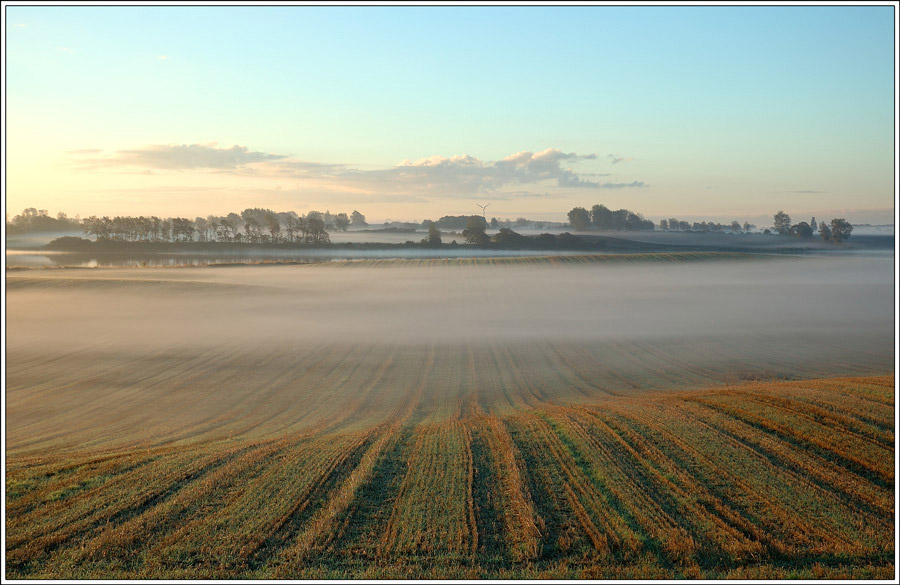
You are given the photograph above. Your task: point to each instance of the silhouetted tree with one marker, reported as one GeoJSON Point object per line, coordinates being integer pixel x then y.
{"type": "Point", "coordinates": [802, 231]}
{"type": "Point", "coordinates": [357, 219]}
{"type": "Point", "coordinates": [315, 231]}
{"type": "Point", "coordinates": [840, 230]}
{"type": "Point", "coordinates": [273, 225]}
{"type": "Point", "coordinates": [474, 232]}
{"type": "Point", "coordinates": [434, 236]}
{"type": "Point", "coordinates": [507, 238]}
{"type": "Point", "coordinates": [824, 232]}
{"type": "Point", "coordinates": [579, 218]}
{"type": "Point", "coordinates": [782, 223]}
{"type": "Point", "coordinates": [341, 222]}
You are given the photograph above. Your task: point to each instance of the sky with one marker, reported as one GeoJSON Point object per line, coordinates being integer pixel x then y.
{"type": "Point", "coordinates": [409, 113]}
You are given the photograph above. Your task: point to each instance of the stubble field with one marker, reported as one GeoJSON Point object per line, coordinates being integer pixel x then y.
{"type": "Point", "coordinates": [680, 415]}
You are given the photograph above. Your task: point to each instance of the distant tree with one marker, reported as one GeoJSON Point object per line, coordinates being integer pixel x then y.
{"type": "Point", "coordinates": [315, 230]}
{"type": "Point", "coordinates": [434, 236]}
{"type": "Point", "coordinates": [664, 224]}
{"type": "Point", "coordinates": [165, 229]}
{"type": "Point", "coordinates": [460, 222]}
{"type": "Point", "coordinates": [251, 229]}
{"type": "Point", "coordinates": [748, 226]}
{"type": "Point", "coordinates": [602, 218]}
{"type": "Point", "coordinates": [494, 222]}
{"type": "Point", "coordinates": [507, 238]}
{"type": "Point", "coordinates": [802, 230]}
{"type": "Point", "coordinates": [782, 223]}
{"type": "Point", "coordinates": [273, 225]}
{"type": "Point", "coordinates": [474, 232]}
{"type": "Point", "coordinates": [357, 219]}
{"type": "Point", "coordinates": [201, 226]}
{"type": "Point", "coordinates": [736, 226]}
{"type": "Point", "coordinates": [840, 230]}
{"type": "Point", "coordinates": [824, 232]}
{"type": "Point", "coordinates": [813, 224]}
{"type": "Point", "coordinates": [341, 222]}
{"type": "Point", "coordinates": [579, 219]}
{"type": "Point", "coordinates": [182, 229]}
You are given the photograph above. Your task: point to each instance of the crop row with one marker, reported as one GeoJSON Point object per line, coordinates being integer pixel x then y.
{"type": "Point", "coordinates": [760, 479]}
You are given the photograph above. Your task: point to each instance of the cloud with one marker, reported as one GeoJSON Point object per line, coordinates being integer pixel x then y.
{"type": "Point", "coordinates": [631, 185]}
{"type": "Point", "coordinates": [458, 176]}
{"type": "Point", "coordinates": [182, 157]}
{"type": "Point", "coordinates": [468, 175]}
{"type": "Point", "coordinates": [616, 159]}
{"type": "Point", "coordinates": [20, 25]}
{"type": "Point", "coordinates": [84, 151]}
{"type": "Point", "coordinates": [162, 57]}
{"type": "Point", "coordinates": [805, 191]}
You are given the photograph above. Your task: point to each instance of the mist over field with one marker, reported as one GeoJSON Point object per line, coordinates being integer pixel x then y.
{"type": "Point", "coordinates": [131, 356]}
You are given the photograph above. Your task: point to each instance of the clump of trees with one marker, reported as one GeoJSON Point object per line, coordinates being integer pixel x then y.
{"type": "Point", "coordinates": [33, 220]}
{"type": "Point", "coordinates": [601, 217]}
{"type": "Point", "coordinates": [836, 232]}
{"type": "Point", "coordinates": [459, 222]}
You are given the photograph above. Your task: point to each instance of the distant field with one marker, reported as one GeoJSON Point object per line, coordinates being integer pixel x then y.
{"type": "Point", "coordinates": [654, 418]}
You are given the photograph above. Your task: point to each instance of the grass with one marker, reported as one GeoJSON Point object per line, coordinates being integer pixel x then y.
{"type": "Point", "coordinates": [660, 485]}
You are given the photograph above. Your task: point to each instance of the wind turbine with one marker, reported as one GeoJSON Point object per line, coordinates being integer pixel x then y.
{"type": "Point", "coordinates": [483, 207]}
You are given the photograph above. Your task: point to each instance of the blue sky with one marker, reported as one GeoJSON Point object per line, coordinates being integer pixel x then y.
{"type": "Point", "coordinates": [707, 111]}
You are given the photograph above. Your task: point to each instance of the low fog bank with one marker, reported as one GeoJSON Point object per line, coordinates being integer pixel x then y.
{"type": "Point", "coordinates": [101, 357]}
{"type": "Point", "coordinates": [749, 242]}
{"type": "Point", "coordinates": [450, 303]}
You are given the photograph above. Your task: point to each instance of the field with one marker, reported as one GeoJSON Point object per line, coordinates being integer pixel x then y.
{"type": "Point", "coordinates": [648, 416]}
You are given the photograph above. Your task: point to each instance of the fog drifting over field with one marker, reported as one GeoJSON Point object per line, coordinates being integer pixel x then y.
{"type": "Point", "coordinates": [96, 352]}
{"type": "Point", "coordinates": [405, 303]}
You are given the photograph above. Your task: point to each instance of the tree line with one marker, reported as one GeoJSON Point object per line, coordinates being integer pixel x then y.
{"type": "Point", "coordinates": [252, 226]}
{"type": "Point", "coordinates": [672, 224]}
{"type": "Point", "coordinates": [33, 220]}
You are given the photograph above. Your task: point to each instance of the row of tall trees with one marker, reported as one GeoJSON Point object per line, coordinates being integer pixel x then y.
{"type": "Point", "coordinates": [835, 232]}
{"type": "Point", "coordinates": [601, 217]}
{"type": "Point", "coordinates": [252, 225]}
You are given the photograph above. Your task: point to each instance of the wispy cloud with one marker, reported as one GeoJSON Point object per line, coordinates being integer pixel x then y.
{"type": "Point", "coordinates": [162, 57]}
{"type": "Point", "coordinates": [20, 25]}
{"type": "Point", "coordinates": [616, 159]}
{"type": "Point", "coordinates": [631, 185]}
{"type": "Point", "coordinates": [180, 157]}
{"type": "Point", "coordinates": [459, 175]}
{"type": "Point", "coordinates": [805, 191]}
